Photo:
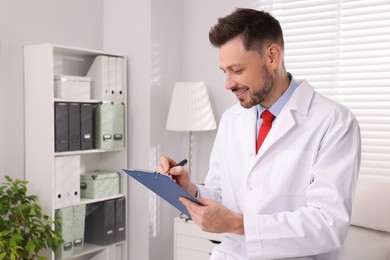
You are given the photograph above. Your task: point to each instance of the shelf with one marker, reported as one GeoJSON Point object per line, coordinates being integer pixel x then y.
{"type": "Point", "coordinates": [92, 151]}
{"type": "Point", "coordinates": [93, 101]}
{"type": "Point", "coordinates": [92, 248]}
{"type": "Point", "coordinates": [89, 249]}
{"type": "Point", "coordinates": [89, 201]}
{"type": "Point", "coordinates": [74, 51]}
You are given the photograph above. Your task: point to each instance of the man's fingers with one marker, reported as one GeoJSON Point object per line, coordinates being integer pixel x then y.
{"type": "Point", "coordinates": [205, 201]}
{"type": "Point", "coordinates": [192, 206]}
{"type": "Point", "coordinates": [189, 204]}
{"type": "Point", "coordinates": [175, 170]}
{"type": "Point", "coordinates": [165, 164]}
{"type": "Point", "coordinates": [185, 201]}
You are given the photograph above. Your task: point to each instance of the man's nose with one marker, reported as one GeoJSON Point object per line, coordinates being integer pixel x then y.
{"type": "Point", "coordinates": [230, 83]}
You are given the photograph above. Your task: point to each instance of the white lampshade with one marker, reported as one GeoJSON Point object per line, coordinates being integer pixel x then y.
{"type": "Point", "coordinates": [190, 108]}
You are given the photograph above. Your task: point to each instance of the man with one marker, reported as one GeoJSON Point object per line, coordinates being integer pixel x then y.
{"type": "Point", "coordinates": [292, 198]}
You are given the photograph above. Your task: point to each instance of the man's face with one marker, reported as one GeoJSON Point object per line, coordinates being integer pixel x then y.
{"type": "Point", "coordinates": [246, 73]}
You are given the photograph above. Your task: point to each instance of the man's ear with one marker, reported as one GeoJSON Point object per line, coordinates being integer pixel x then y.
{"type": "Point", "coordinates": [274, 55]}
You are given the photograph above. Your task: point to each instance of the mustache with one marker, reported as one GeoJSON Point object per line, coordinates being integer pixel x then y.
{"type": "Point", "coordinates": [238, 88]}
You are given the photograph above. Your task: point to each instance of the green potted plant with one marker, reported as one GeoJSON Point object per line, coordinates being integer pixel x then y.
{"type": "Point", "coordinates": [24, 231]}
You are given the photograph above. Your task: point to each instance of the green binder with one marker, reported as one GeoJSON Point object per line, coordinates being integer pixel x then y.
{"type": "Point", "coordinates": [65, 251]}
{"type": "Point", "coordinates": [78, 228]}
{"type": "Point", "coordinates": [110, 125]}
{"type": "Point", "coordinates": [119, 125]}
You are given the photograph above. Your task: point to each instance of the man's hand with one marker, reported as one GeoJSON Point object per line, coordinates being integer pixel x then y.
{"type": "Point", "coordinates": [178, 173]}
{"type": "Point", "coordinates": [214, 217]}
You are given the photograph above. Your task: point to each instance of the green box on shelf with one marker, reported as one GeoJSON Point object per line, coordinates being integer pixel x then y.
{"type": "Point", "coordinates": [99, 184]}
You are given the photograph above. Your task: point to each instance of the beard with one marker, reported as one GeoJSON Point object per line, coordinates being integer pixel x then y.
{"type": "Point", "coordinates": [259, 95]}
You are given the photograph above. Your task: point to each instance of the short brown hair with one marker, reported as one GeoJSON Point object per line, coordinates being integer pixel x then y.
{"type": "Point", "coordinates": [255, 27]}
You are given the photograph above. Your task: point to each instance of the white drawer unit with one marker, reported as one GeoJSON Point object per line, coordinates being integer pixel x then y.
{"type": "Point", "coordinates": [191, 243]}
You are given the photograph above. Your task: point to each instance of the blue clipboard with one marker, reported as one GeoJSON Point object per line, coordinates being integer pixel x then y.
{"type": "Point", "coordinates": [163, 186]}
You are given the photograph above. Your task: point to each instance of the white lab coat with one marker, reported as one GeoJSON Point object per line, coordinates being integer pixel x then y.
{"type": "Point", "coordinates": [296, 193]}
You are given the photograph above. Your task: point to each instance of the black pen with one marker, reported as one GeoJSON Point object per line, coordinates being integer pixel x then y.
{"type": "Point", "coordinates": [182, 163]}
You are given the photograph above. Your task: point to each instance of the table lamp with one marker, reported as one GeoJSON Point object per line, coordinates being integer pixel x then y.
{"type": "Point", "coordinates": [190, 110]}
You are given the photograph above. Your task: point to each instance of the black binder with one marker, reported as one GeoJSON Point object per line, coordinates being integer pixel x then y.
{"type": "Point", "coordinates": [74, 126]}
{"type": "Point", "coordinates": [86, 118]}
{"type": "Point", "coordinates": [100, 223]}
{"type": "Point", "coordinates": [61, 127]}
{"type": "Point", "coordinates": [120, 219]}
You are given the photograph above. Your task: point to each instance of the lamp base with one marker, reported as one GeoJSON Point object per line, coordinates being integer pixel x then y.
{"type": "Point", "coordinates": [191, 138]}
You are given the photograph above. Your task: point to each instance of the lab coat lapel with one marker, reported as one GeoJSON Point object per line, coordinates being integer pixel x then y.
{"type": "Point", "coordinates": [246, 127]}
{"type": "Point", "coordinates": [246, 122]}
{"type": "Point", "coordinates": [300, 102]}
{"type": "Point", "coordinates": [280, 127]}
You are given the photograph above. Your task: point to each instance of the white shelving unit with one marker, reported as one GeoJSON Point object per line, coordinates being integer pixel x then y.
{"type": "Point", "coordinates": [42, 63]}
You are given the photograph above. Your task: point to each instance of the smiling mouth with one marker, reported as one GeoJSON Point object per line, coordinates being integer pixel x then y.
{"type": "Point", "coordinates": [240, 93]}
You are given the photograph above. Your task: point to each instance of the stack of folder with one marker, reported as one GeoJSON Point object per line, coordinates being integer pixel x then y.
{"type": "Point", "coordinates": [107, 75]}
{"type": "Point", "coordinates": [73, 126]}
{"type": "Point", "coordinates": [105, 222]}
{"type": "Point", "coordinates": [84, 126]}
{"type": "Point", "coordinates": [100, 223]}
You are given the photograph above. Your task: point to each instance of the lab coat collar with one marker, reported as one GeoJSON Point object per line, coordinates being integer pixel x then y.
{"type": "Point", "coordinates": [246, 122]}
{"type": "Point", "coordinates": [301, 99]}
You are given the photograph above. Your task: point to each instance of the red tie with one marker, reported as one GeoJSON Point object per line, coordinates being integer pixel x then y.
{"type": "Point", "coordinates": [268, 117]}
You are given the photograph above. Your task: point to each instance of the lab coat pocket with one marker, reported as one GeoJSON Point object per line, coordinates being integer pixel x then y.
{"type": "Point", "coordinates": [291, 172]}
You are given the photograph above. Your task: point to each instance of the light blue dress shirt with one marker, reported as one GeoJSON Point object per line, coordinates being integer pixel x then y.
{"type": "Point", "coordinates": [278, 105]}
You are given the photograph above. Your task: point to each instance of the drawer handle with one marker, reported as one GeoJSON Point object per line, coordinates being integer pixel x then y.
{"type": "Point", "coordinates": [215, 241]}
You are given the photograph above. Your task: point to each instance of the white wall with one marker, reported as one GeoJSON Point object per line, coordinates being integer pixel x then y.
{"type": "Point", "coordinates": [167, 28]}
{"type": "Point", "coordinates": [71, 22]}
{"type": "Point", "coordinates": [127, 29]}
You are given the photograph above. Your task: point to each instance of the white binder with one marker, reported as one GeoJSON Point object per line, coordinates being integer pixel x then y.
{"type": "Point", "coordinates": [112, 78]}
{"type": "Point", "coordinates": [120, 79]}
{"type": "Point", "coordinates": [67, 180]}
{"type": "Point", "coordinates": [99, 74]}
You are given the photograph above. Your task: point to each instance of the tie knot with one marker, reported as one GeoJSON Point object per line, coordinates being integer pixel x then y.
{"type": "Point", "coordinates": [267, 116]}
